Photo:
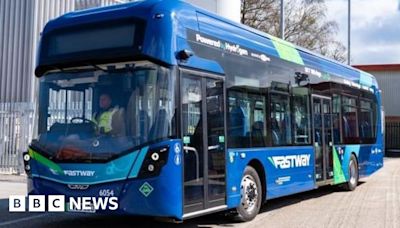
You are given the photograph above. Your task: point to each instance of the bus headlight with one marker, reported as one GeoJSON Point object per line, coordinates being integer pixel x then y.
{"type": "Point", "coordinates": [27, 157]}
{"type": "Point", "coordinates": [155, 156]}
{"type": "Point", "coordinates": [155, 159]}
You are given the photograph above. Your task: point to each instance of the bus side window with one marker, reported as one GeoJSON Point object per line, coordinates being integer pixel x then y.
{"type": "Point", "coordinates": [258, 129]}
{"type": "Point", "coordinates": [350, 122]}
{"type": "Point", "coordinates": [336, 119]}
{"type": "Point", "coordinates": [246, 120]}
{"type": "Point", "coordinates": [366, 119]}
{"type": "Point", "coordinates": [301, 116]}
{"type": "Point", "coordinates": [237, 121]}
{"type": "Point", "coordinates": [280, 120]}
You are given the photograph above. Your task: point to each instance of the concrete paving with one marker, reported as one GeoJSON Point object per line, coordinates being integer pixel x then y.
{"type": "Point", "coordinates": [375, 203]}
{"type": "Point", "coordinates": [13, 178]}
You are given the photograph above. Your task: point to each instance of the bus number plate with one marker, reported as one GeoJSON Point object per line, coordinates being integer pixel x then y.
{"type": "Point", "coordinates": [106, 192]}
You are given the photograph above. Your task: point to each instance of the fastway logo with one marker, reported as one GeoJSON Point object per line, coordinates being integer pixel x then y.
{"type": "Point", "coordinates": [290, 161]}
{"type": "Point", "coordinates": [79, 173]}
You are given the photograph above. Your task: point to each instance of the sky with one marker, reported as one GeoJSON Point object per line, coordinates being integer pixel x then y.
{"type": "Point", "coordinates": [375, 29]}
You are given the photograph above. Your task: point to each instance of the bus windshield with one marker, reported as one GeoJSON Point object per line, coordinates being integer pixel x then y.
{"type": "Point", "coordinates": [98, 113]}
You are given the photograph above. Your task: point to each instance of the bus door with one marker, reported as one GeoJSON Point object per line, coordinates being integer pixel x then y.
{"type": "Point", "coordinates": [323, 138]}
{"type": "Point", "coordinates": [203, 135]}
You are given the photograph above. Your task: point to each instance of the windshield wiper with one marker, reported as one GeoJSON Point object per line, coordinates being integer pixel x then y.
{"type": "Point", "coordinates": [98, 68]}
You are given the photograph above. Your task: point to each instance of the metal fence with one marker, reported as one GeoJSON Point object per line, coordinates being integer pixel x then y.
{"type": "Point", "coordinates": [21, 22]}
{"type": "Point", "coordinates": [392, 135]}
{"type": "Point", "coordinates": [16, 129]}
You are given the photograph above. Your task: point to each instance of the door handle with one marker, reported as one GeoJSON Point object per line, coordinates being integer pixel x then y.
{"type": "Point", "coordinates": [213, 147]}
{"type": "Point", "coordinates": [196, 154]}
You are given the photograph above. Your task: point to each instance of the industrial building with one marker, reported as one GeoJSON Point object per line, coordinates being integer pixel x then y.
{"type": "Point", "coordinates": [388, 77]}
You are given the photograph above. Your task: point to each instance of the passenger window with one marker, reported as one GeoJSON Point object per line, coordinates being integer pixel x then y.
{"type": "Point", "coordinates": [366, 122]}
{"type": "Point", "coordinates": [238, 121]}
{"type": "Point", "coordinates": [301, 116]}
{"type": "Point", "coordinates": [258, 126]}
{"type": "Point", "coordinates": [349, 120]}
{"type": "Point", "coordinates": [336, 119]}
{"type": "Point", "coordinates": [280, 120]}
{"type": "Point", "coordinates": [247, 125]}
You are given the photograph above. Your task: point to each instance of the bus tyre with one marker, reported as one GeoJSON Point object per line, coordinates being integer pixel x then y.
{"type": "Point", "coordinates": [353, 174]}
{"type": "Point", "coordinates": [251, 196]}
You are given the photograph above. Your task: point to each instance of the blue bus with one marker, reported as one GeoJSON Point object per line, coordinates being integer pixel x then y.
{"type": "Point", "coordinates": [204, 114]}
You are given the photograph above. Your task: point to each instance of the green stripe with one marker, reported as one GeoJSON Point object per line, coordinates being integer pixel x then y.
{"type": "Point", "coordinates": [138, 163]}
{"type": "Point", "coordinates": [44, 161]}
{"type": "Point", "coordinates": [286, 50]}
{"type": "Point", "coordinates": [338, 175]}
{"type": "Point", "coordinates": [272, 161]}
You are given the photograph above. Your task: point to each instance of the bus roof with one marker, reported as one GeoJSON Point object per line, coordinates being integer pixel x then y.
{"type": "Point", "coordinates": [307, 54]}
{"type": "Point", "coordinates": [178, 7]}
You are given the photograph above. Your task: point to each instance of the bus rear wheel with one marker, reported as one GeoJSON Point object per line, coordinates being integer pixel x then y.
{"type": "Point", "coordinates": [251, 195]}
{"type": "Point", "coordinates": [353, 174]}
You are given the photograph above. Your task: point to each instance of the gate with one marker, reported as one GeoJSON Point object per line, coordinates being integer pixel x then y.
{"type": "Point", "coordinates": [392, 141]}
{"type": "Point", "coordinates": [16, 128]}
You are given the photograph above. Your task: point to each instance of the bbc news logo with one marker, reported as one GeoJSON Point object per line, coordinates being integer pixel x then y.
{"type": "Point", "coordinates": [57, 203]}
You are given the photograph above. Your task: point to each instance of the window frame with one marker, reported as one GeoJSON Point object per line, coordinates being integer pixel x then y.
{"type": "Point", "coordinates": [288, 95]}
{"type": "Point", "coordinates": [309, 116]}
{"type": "Point", "coordinates": [357, 137]}
{"type": "Point", "coordinates": [373, 111]}
{"type": "Point", "coordinates": [339, 95]}
{"type": "Point", "coordinates": [252, 97]}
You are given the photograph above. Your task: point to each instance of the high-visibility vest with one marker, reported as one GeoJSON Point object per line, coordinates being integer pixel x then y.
{"type": "Point", "coordinates": [105, 120]}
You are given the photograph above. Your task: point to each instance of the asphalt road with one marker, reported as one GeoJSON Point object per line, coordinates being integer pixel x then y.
{"type": "Point", "coordinates": [375, 203]}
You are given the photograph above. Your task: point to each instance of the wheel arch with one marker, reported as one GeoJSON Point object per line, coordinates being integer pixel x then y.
{"type": "Point", "coordinates": [259, 167]}
{"type": "Point", "coordinates": [355, 155]}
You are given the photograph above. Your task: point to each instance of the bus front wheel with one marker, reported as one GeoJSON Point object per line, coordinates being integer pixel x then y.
{"type": "Point", "coordinates": [251, 195]}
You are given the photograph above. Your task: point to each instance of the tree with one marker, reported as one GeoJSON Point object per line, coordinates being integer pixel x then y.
{"type": "Point", "coordinates": [305, 24]}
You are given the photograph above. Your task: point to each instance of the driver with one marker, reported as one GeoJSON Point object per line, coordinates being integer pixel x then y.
{"type": "Point", "coordinates": [109, 119]}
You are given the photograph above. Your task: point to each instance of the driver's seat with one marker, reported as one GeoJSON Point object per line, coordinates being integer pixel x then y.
{"type": "Point", "coordinates": [118, 123]}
